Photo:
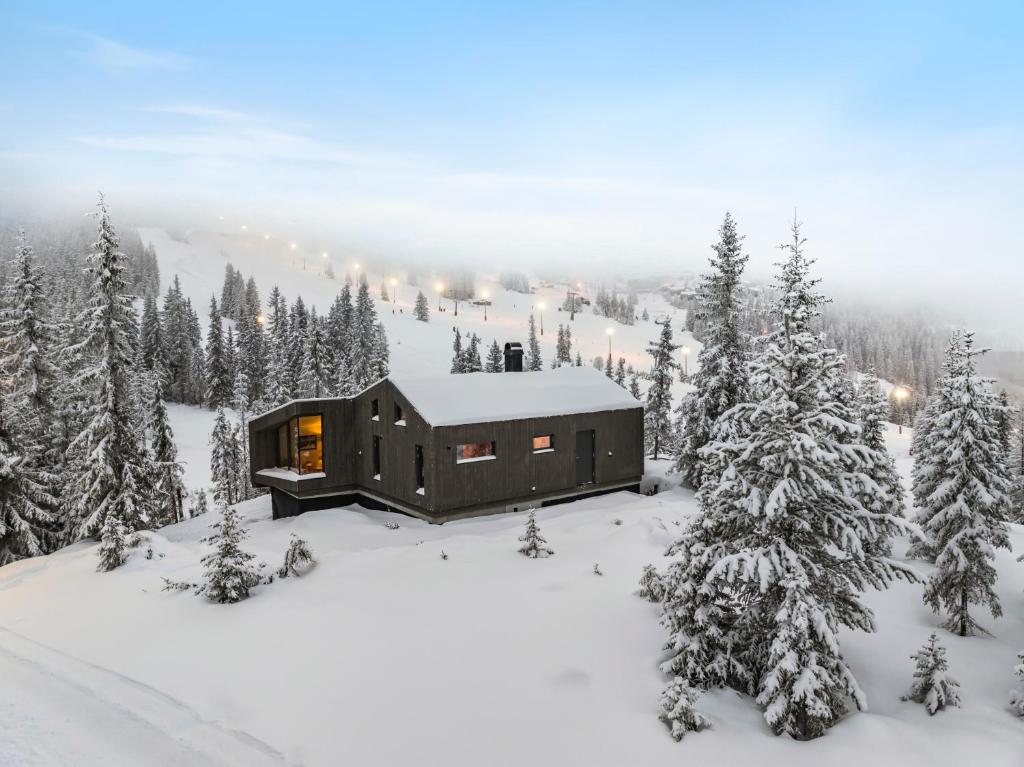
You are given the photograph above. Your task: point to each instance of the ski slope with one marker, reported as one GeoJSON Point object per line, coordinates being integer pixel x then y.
{"type": "Point", "coordinates": [387, 654]}
{"type": "Point", "coordinates": [417, 348]}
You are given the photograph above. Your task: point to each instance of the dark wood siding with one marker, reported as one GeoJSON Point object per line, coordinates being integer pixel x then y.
{"type": "Point", "coordinates": [518, 473]}
{"type": "Point", "coordinates": [516, 476]}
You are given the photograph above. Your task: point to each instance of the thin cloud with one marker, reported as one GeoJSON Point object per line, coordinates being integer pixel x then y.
{"type": "Point", "coordinates": [114, 56]}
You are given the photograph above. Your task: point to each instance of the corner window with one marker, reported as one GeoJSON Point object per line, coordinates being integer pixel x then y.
{"type": "Point", "coordinates": [375, 410]}
{"type": "Point", "coordinates": [545, 443]}
{"type": "Point", "coordinates": [399, 415]}
{"type": "Point", "coordinates": [470, 452]}
{"type": "Point", "coordinates": [300, 444]}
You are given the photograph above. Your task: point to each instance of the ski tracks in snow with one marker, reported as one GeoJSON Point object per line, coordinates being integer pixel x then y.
{"type": "Point", "coordinates": [58, 710]}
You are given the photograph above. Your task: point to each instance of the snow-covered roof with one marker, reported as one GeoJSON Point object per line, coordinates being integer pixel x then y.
{"type": "Point", "coordinates": [464, 398]}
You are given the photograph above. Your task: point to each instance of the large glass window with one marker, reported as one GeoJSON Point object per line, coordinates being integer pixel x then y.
{"type": "Point", "coordinates": [475, 451]}
{"type": "Point", "coordinates": [300, 444]}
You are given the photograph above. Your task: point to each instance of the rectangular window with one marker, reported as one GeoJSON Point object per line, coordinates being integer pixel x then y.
{"type": "Point", "coordinates": [475, 451]}
{"type": "Point", "coordinates": [300, 444]}
{"type": "Point", "coordinates": [545, 443]}
{"type": "Point", "coordinates": [399, 415]}
{"type": "Point", "coordinates": [311, 444]}
{"type": "Point", "coordinates": [376, 456]}
{"type": "Point", "coordinates": [375, 410]}
{"type": "Point", "coordinates": [420, 479]}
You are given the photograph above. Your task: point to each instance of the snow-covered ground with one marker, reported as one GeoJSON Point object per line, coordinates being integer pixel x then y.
{"type": "Point", "coordinates": [387, 654]}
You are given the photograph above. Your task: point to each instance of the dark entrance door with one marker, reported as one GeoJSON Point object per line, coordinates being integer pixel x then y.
{"type": "Point", "coordinates": [584, 457]}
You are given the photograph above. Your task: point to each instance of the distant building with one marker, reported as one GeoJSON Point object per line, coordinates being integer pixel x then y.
{"type": "Point", "coordinates": [452, 446]}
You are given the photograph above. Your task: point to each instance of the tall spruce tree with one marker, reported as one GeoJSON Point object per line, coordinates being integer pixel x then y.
{"type": "Point", "coordinates": [113, 493]}
{"type": "Point", "coordinates": [421, 310]}
{"type": "Point", "coordinates": [168, 486]}
{"type": "Point", "coordinates": [658, 409]}
{"type": "Point", "coordinates": [780, 552]}
{"type": "Point", "coordinates": [315, 379]}
{"type": "Point", "coordinates": [225, 461]}
{"type": "Point", "coordinates": [26, 503]}
{"type": "Point", "coordinates": [218, 366]}
{"type": "Point", "coordinates": [533, 358]}
{"type": "Point", "coordinates": [458, 357]}
{"type": "Point", "coordinates": [962, 511]}
{"type": "Point", "coordinates": [720, 381]}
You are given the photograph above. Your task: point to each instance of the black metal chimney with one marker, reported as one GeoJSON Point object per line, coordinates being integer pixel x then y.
{"type": "Point", "coordinates": [514, 357]}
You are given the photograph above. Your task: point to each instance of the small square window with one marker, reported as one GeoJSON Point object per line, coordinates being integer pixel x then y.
{"type": "Point", "coordinates": [399, 415]}
{"type": "Point", "coordinates": [544, 443]}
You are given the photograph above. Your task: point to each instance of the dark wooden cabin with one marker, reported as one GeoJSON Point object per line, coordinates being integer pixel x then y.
{"type": "Point", "coordinates": [452, 446]}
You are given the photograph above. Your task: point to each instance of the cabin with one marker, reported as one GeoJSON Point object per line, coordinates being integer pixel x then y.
{"type": "Point", "coordinates": [453, 446]}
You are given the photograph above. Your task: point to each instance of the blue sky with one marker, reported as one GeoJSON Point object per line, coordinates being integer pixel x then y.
{"type": "Point", "coordinates": [604, 132]}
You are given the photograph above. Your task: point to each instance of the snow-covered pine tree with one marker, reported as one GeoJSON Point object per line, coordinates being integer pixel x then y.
{"type": "Point", "coordinates": [677, 709]}
{"type": "Point", "coordinates": [168, 486]}
{"type": "Point", "coordinates": [365, 339]}
{"type": "Point", "coordinates": [620, 372]}
{"type": "Point", "coordinates": [720, 380]}
{"type": "Point", "coordinates": [151, 340]}
{"type": "Point", "coordinates": [471, 356]}
{"type": "Point", "coordinates": [225, 461]}
{"type": "Point", "coordinates": [634, 386]}
{"type": "Point", "coordinates": [933, 686]}
{"type": "Point", "coordinates": [421, 311]}
{"type": "Point", "coordinates": [871, 408]}
{"type": "Point", "coordinates": [113, 492]}
{"type": "Point", "coordinates": [609, 369]}
{"type": "Point", "coordinates": [384, 291]}
{"type": "Point", "coordinates": [315, 377]}
{"type": "Point", "coordinates": [579, 360]}
{"type": "Point", "coordinates": [297, 558]}
{"type": "Point", "coordinates": [339, 339]}
{"type": "Point", "coordinates": [1016, 466]}
{"type": "Point", "coordinates": [534, 546]}
{"type": "Point", "coordinates": [31, 379]}
{"type": "Point", "coordinates": [495, 360]}
{"type": "Point", "coordinates": [777, 558]}
{"type": "Point", "coordinates": [964, 514]}
{"type": "Point", "coordinates": [228, 571]}
{"type": "Point", "coordinates": [658, 409]}
{"type": "Point", "coordinates": [295, 344]}
{"type": "Point", "coordinates": [534, 361]}
{"type": "Point", "coordinates": [458, 357]}
{"type": "Point", "coordinates": [26, 504]}
{"type": "Point", "coordinates": [380, 356]}
{"type": "Point", "coordinates": [218, 375]}
{"type": "Point", "coordinates": [1017, 696]}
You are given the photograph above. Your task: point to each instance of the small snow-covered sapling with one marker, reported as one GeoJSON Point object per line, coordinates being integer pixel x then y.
{"type": "Point", "coordinates": [597, 570]}
{"type": "Point", "coordinates": [534, 546]}
{"type": "Point", "coordinates": [651, 586]}
{"type": "Point", "coordinates": [390, 525]}
{"type": "Point", "coordinates": [677, 709]}
{"type": "Point", "coordinates": [1017, 696]}
{"type": "Point", "coordinates": [933, 686]}
{"type": "Point", "coordinates": [297, 559]}
{"type": "Point", "coordinates": [444, 555]}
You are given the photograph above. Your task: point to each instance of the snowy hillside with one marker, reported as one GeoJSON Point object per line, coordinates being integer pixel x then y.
{"type": "Point", "coordinates": [416, 348]}
{"type": "Point", "coordinates": [385, 652]}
